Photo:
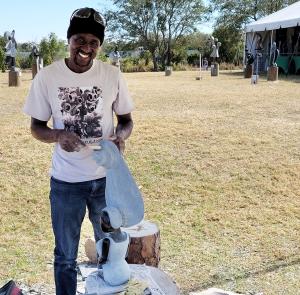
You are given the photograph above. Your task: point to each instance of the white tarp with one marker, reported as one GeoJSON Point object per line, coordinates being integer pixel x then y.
{"type": "Point", "coordinates": [284, 18]}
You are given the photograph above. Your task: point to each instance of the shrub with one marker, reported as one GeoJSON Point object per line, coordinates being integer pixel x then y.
{"type": "Point", "coordinates": [229, 66]}
{"type": "Point", "coordinates": [182, 67]}
{"type": "Point", "coordinates": [2, 60]}
{"type": "Point", "coordinates": [23, 62]}
{"type": "Point", "coordinates": [135, 64]}
{"type": "Point", "coordinates": [101, 56]}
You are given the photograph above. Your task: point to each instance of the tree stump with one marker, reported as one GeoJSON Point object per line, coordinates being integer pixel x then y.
{"type": "Point", "coordinates": [34, 69]}
{"type": "Point", "coordinates": [272, 73]}
{"type": "Point", "coordinates": [14, 78]}
{"type": "Point", "coordinates": [214, 69]}
{"type": "Point", "coordinates": [144, 247]}
{"type": "Point", "coordinates": [248, 71]}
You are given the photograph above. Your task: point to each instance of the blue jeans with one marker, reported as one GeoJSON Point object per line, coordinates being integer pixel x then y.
{"type": "Point", "coordinates": [68, 207]}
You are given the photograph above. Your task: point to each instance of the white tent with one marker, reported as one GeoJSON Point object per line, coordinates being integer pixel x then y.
{"type": "Point", "coordinates": [284, 18]}
{"type": "Point", "coordinates": [264, 31]}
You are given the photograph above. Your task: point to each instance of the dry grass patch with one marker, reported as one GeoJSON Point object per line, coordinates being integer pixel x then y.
{"type": "Point", "coordinates": [219, 165]}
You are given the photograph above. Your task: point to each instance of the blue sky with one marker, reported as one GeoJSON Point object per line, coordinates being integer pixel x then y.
{"type": "Point", "coordinates": [32, 20]}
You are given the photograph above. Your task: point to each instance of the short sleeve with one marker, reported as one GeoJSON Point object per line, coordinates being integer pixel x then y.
{"type": "Point", "coordinates": [123, 103]}
{"type": "Point", "coordinates": [37, 103]}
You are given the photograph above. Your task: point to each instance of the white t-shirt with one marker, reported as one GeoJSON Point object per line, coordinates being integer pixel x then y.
{"type": "Point", "coordinates": [83, 103]}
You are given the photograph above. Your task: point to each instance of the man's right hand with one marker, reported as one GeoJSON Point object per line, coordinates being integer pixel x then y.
{"type": "Point", "coordinates": [69, 141]}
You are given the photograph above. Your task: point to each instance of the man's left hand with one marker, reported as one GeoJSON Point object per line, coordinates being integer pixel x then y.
{"type": "Point", "coordinates": [119, 142]}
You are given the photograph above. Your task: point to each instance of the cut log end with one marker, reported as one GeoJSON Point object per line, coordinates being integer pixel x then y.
{"type": "Point", "coordinates": [144, 247]}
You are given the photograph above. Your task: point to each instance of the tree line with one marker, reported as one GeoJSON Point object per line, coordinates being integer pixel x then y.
{"type": "Point", "coordinates": [166, 29]}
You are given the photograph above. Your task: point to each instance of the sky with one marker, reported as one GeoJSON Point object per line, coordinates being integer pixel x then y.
{"type": "Point", "coordinates": [34, 19]}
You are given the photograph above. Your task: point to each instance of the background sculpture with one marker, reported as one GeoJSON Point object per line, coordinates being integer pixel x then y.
{"type": "Point", "coordinates": [274, 55]}
{"type": "Point", "coordinates": [215, 45]}
{"type": "Point", "coordinates": [10, 50]}
{"type": "Point", "coordinates": [124, 208]}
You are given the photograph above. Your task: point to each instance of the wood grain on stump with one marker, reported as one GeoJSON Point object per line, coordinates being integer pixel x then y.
{"type": "Point", "coordinates": [144, 247]}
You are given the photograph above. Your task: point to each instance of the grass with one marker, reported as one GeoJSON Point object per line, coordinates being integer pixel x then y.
{"type": "Point", "coordinates": [219, 165]}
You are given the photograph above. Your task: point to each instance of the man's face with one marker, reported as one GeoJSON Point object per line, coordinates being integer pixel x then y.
{"type": "Point", "coordinates": [83, 49]}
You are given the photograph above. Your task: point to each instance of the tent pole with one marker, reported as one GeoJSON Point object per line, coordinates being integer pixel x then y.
{"type": "Point", "coordinates": [244, 53]}
{"type": "Point", "coordinates": [271, 43]}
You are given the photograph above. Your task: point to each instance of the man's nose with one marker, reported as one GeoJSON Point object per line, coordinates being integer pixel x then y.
{"type": "Point", "coordinates": [87, 47]}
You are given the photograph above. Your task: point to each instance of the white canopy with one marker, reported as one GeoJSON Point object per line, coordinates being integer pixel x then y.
{"type": "Point", "coordinates": [284, 18]}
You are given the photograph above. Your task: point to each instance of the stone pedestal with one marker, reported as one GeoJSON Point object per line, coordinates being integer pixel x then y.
{"type": "Point", "coordinates": [214, 69]}
{"type": "Point", "coordinates": [272, 74]}
{"type": "Point", "coordinates": [34, 69]}
{"type": "Point", "coordinates": [14, 78]}
{"type": "Point", "coordinates": [168, 71]}
{"type": "Point", "coordinates": [248, 71]}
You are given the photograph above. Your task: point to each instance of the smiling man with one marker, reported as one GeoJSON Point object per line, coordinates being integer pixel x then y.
{"type": "Point", "coordinates": [80, 94]}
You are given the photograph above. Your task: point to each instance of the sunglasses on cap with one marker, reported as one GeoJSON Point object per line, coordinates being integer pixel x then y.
{"type": "Point", "coordinates": [87, 12]}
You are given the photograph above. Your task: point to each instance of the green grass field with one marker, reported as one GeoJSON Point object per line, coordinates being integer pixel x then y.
{"type": "Point", "coordinates": [218, 162]}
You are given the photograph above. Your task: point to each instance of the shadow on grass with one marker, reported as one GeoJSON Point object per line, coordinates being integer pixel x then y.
{"type": "Point", "coordinates": [277, 265]}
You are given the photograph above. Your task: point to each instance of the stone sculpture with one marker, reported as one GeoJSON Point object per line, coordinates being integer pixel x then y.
{"type": "Point", "coordinates": [215, 45]}
{"type": "Point", "coordinates": [11, 50]}
{"type": "Point", "coordinates": [125, 208]}
{"type": "Point", "coordinates": [274, 55]}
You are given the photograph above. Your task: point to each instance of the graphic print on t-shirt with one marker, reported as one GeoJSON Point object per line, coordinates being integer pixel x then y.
{"type": "Point", "coordinates": [82, 111]}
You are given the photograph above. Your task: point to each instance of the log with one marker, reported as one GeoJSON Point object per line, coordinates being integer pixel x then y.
{"type": "Point", "coordinates": [144, 247]}
{"type": "Point", "coordinates": [14, 78]}
{"type": "Point", "coordinates": [248, 71]}
{"type": "Point", "coordinates": [272, 73]}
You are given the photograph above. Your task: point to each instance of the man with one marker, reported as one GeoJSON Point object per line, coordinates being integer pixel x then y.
{"type": "Point", "coordinates": [80, 93]}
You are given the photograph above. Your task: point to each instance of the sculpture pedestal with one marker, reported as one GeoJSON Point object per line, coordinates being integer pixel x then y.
{"type": "Point", "coordinates": [34, 69]}
{"type": "Point", "coordinates": [143, 277]}
{"type": "Point", "coordinates": [248, 71]}
{"type": "Point", "coordinates": [14, 78]}
{"type": "Point", "coordinates": [272, 74]}
{"type": "Point", "coordinates": [214, 69]}
{"type": "Point", "coordinates": [168, 71]}
{"type": "Point", "coordinates": [144, 247]}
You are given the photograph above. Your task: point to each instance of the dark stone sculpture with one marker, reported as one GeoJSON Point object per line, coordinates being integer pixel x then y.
{"type": "Point", "coordinates": [11, 50]}
{"type": "Point", "coordinates": [274, 55]}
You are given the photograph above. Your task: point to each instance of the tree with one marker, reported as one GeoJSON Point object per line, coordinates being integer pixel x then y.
{"type": "Point", "coordinates": [237, 13]}
{"type": "Point", "coordinates": [156, 24]}
{"type": "Point", "coordinates": [52, 49]}
{"type": "Point", "coordinates": [234, 15]}
{"type": "Point", "coordinates": [232, 44]}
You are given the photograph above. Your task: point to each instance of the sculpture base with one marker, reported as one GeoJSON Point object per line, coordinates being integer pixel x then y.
{"type": "Point", "coordinates": [14, 78]}
{"type": "Point", "coordinates": [248, 71]}
{"type": "Point", "coordinates": [168, 71]}
{"type": "Point", "coordinates": [272, 73]}
{"type": "Point", "coordinates": [214, 69]}
{"type": "Point", "coordinates": [142, 277]}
